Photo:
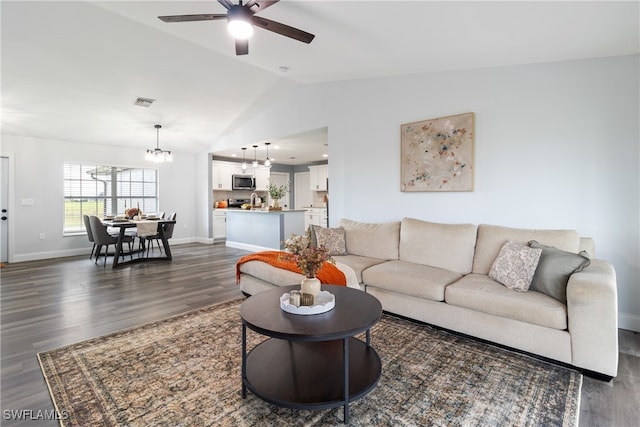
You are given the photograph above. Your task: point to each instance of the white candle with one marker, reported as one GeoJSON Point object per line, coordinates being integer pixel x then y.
{"type": "Point", "coordinates": [294, 298]}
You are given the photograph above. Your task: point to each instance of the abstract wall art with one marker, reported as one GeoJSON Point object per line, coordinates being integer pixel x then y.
{"type": "Point", "coordinates": [437, 154]}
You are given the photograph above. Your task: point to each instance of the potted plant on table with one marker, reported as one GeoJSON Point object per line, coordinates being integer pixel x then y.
{"type": "Point", "coordinates": [309, 260]}
{"type": "Point", "coordinates": [277, 192]}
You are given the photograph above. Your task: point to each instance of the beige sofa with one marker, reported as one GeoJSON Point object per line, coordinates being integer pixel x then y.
{"type": "Point", "coordinates": [439, 274]}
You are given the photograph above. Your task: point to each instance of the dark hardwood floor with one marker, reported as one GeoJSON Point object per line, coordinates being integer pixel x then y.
{"type": "Point", "coordinates": [51, 303]}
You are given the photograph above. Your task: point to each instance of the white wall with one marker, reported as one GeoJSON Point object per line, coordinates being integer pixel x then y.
{"type": "Point", "coordinates": [39, 176]}
{"type": "Point", "coordinates": [556, 146]}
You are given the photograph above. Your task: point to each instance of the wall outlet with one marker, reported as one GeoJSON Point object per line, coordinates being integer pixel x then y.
{"type": "Point", "coordinates": [42, 236]}
{"type": "Point", "coordinates": [27, 202]}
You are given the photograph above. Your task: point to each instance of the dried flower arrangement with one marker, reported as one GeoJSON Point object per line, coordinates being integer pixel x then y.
{"type": "Point", "coordinates": [307, 257]}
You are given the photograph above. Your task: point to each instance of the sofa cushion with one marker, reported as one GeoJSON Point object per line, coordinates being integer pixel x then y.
{"type": "Point", "coordinates": [588, 245]}
{"type": "Point", "coordinates": [333, 239]}
{"type": "Point", "coordinates": [265, 272]}
{"type": "Point", "coordinates": [357, 263]}
{"type": "Point", "coordinates": [492, 237]}
{"type": "Point", "coordinates": [480, 293]}
{"type": "Point", "coordinates": [372, 240]}
{"type": "Point", "coordinates": [515, 266]}
{"type": "Point", "coordinates": [448, 246]}
{"type": "Point", "coordinates": [554, 269]}
{"type": "Point", "coordinates": [408, 278]}
{"type": "Point", "coordinates": [268, 273]}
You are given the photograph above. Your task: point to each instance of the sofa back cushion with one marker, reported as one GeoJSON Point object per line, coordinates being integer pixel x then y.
{"type": "Point", "coordinates": [492, 237]}
{"type": "Point", "coordinates": [378, 240]}
{"type": "Point", "coordinates": [588, 245]}
{"type": "Point", "coordinates": [448, 246]}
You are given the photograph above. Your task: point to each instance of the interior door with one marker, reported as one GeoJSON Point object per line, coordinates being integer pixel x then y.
{"type": "Point", "coordinates": [4, 209]}
{"type": "Point", "coordinates": [303, 195]}
{"type": "Point", "coordinates": [281, 178]}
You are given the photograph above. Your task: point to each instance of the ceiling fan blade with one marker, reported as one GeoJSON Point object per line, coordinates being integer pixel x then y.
{"type": "Point", "coordinates": [226, 3]}
{"type": "Point", "coordinates": [188, 18]}
{"type": "Point", "coordinates": [242, 47]}
{"type": "Point", "coordinates": [282, 29]}
{"type": "Point", "coordinates": [258, 5]}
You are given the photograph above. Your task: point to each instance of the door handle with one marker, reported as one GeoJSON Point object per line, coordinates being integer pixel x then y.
{"type": "Point", "coordinates": [4, 218]}
{"type": "Point", "coordinates": [4, 211]}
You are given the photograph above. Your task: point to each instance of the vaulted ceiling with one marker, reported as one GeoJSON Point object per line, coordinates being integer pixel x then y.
{"type": "Point", "coordinates": [72, 70]}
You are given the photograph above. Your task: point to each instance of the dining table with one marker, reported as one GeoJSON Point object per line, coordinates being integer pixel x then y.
{"type": "Point", "coordinates": [125, 224]}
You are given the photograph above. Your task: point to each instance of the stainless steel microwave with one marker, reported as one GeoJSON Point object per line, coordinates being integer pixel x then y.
{"type": "Point", "coordinates": [243, 182]}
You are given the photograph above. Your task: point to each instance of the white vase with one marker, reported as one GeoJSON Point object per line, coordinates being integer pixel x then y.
{"type": "Point", "coordinates": [311, 286]}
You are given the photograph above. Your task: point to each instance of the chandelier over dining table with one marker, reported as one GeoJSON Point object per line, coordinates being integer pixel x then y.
{"type": "Point", "coordinates": [157, 155]}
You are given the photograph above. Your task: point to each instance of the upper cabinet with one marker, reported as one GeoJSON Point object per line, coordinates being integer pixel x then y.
{"type": "Point", "coordinates": [318, 177]}
{"type": "Point", "coordinates": [222, 172]}
{"type": "Point", "coordinates": [262, 179]}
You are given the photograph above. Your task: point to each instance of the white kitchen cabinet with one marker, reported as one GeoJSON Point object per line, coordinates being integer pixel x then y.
{"type": "Point", "coordinates": [219, 225]}
{"type": "Point", "coordinates": [315, 216]}
{"type": "Point", "coordinates": [262, 179]}
{"type": "Point", "coordinates": [318, 177]}
{"type": "Point", "coordinates": [222, 172]}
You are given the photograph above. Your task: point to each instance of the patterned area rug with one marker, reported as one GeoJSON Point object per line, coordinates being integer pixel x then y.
{"type": "Point", "coordinates": [185, 371]}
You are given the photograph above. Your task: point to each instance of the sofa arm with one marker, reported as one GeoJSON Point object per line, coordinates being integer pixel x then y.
{"type": "Point", "coordinates": [592, 309]}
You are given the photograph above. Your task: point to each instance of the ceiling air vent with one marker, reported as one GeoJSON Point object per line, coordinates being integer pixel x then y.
{"type": "Point", "coordinates": [143, 102]}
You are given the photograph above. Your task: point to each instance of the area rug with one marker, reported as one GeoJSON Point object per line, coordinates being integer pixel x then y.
{"type": "Point", "coordinates": [185, 371]}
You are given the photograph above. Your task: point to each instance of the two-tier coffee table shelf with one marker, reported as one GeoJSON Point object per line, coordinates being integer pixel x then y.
{"type": "Point", "coordinates": [311, 361]}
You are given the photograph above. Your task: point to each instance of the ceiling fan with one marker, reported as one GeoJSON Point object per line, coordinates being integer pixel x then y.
{"type": "Point", "coordinates": [241, 18]}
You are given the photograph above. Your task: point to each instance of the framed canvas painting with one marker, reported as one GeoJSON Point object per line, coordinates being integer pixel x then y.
{"type": "Point", "coordinates": [437, 154]}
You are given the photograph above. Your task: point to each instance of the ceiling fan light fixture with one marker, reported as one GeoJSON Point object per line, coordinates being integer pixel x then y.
{"type": "Point", "coordinates": [239, 23]}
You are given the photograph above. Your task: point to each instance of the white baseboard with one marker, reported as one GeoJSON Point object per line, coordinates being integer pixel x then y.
{"type": "Point", "coordinates": [628, 321]}
{"type": "Point", "coordinates": [36, 256]}
{"type": "Point", "coordinates": [204, 240]}
{"type": "Point", "coordinates": [185, 240]}
{"type": "Point", "coordinates": [247, 247]}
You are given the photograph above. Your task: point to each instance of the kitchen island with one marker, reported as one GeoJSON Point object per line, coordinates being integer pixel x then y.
{"type": "Point", "coordinates": [260, 230]}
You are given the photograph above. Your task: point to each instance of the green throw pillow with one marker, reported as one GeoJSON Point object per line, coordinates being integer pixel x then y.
{"type": "Point", "coordinates": [554, 268]}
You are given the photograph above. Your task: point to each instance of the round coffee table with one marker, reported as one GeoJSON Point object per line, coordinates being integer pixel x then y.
{"type": "Point", "coordinates": [310, 361]}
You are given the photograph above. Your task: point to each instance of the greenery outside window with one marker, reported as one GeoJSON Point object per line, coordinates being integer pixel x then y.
{"type": "Point", "coordinates": [105, 190]}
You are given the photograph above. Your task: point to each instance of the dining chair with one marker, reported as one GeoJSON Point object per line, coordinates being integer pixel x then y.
{"type": "Point", "coordinates": [101, 238]}
{"type": "Point", "coordinates": [168, 233]}
{"type": "Point", "coordinates": [134, 233]}
{"type": "Point", "coordinates": [87, 226]}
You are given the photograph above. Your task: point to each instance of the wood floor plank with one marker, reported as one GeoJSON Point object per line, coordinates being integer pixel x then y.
{"type": "Point", "coordinates": [51, 303]}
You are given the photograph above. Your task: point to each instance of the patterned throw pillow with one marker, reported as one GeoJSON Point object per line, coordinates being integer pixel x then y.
{"type": "Point", "coordinates": [515, 266]}
{"type": "Point", "coordinates": [332, 239]}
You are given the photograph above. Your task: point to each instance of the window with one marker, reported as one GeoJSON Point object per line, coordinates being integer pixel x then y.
{"type": "Point", "coordinates": [105, 190]}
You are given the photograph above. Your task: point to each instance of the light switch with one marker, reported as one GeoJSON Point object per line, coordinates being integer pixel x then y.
{"type": "Point", "coordinates": [27, 202]}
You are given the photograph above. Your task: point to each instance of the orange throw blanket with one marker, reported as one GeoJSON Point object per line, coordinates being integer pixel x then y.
{"type": "Point", "coordinates": [328, 273]}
